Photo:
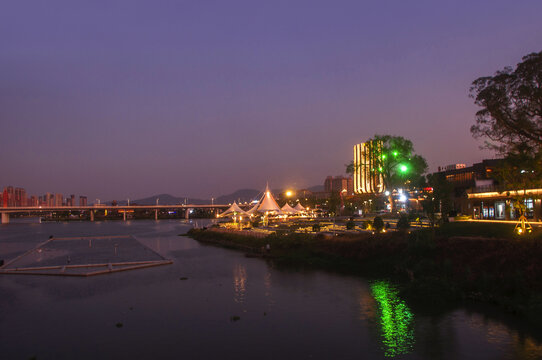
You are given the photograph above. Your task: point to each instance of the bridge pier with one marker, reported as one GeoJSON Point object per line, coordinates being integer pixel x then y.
{"type": "Point", "coordinates": [187, 214]}
{"type": "Point", "coordinates": [91, 215]}
{"type": "Point", "coordinates": [5, 218]}
{"type": "Point", "coordinates": [155, 214]}
{"type": "Point", "coordinates": [124, 215]}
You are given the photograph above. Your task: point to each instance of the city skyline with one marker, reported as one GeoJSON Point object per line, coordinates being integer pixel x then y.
{"type": "Point", "coordinates": [129, 99]}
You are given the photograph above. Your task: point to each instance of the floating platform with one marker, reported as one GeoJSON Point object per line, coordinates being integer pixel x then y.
{"type": "Point", "coordinates": [84, 256]}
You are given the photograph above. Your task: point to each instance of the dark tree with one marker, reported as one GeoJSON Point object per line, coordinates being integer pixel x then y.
{"type": "Point", "coordinates": [511, 122]}
{"type": "Point", "coordinates": [511, 116]}
{"type": "Point", "coordinates": [378, 224]}
{"type": "Point", "coordinates": [403, 224]}
{"type": "Point", "coordinates": [398, 164]}
{"type": "Point", "coordinates": [333, 203]}
{"type": "Point", "coordinates": [438, 199]}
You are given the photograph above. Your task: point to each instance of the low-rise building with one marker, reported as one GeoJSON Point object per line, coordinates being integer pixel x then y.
{"type": "Point", "coordinates": [477, 193]}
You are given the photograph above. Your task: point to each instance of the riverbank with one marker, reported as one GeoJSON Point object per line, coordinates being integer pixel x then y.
{"type": "Point", "coordinates": [428, 268]}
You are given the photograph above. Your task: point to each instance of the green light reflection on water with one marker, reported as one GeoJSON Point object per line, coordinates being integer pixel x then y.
{"type": "Point", "coordinates": [396, 320]}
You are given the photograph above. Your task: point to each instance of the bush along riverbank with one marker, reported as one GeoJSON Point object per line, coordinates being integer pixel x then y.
{"type": "Point", "coordinates": [429, 268]}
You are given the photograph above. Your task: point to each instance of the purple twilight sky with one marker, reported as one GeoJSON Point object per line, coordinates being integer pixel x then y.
{"type": "Point", "coordinates": [117, 99]}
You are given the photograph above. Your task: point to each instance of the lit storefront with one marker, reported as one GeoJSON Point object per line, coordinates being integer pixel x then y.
{"type": "Point", "coordinates": [504, 206]}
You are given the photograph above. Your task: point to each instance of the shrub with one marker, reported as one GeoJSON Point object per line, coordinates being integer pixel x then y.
{"type": "Point", "coordinates": [366, 224]}
{"type": "Point", "coordinates": [378, 223]}
{"type": "Point", "coordinates": [350, 225]}
{"type": "Point", "coordinates": [316, 227]}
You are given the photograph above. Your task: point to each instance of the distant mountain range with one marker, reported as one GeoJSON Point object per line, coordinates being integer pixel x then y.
{"type": "Point", "coordinates": [316, 188]}
{"type": "Point", "coordinates": [241, 195]}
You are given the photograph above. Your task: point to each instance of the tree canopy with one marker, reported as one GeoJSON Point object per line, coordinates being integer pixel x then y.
{"type": "Point", "coordinates": [398, 163]}
{"type": "Point", "coordinates": [511, 102]}
{"type": "Point", "coordinates": [437, 200]}
{"type": "Point", "coordinates": [511, 121]}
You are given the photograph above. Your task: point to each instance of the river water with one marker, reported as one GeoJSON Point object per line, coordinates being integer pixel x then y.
{"type": "Point", "coordinates": [214, 303]}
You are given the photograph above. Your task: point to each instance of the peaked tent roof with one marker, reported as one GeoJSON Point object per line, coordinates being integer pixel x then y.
{"type": "Point", "coordinates": [268, 203]}
{"type": "Point", "coordinates": [299, 207]}
{"type": "Point", "coordinates": [254, 208]}
{"type": "Point", "coordinates": [234, 208]}
{"type": "Point", "coordinates": [288, 209]}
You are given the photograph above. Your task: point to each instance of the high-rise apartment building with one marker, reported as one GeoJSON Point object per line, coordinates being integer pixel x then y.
{"type": "Point", "coordinates": [10, 196]}
{"type": "Point", "coordinates": [367, 159]}
{"type": "Point", "coordinates": [5, 198]}
{"type": "Point", "coordinates": [49, 199]}
{"type": "Point", "coordinates": [20, 197]}
{"type": "Point", "coordinates": [339, 184]}
{"type": "Point", "coordinates": [59, 200]}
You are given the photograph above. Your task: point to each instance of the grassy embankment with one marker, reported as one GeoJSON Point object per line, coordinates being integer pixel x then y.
{"type": "Point", "coordinates": [452, 265]}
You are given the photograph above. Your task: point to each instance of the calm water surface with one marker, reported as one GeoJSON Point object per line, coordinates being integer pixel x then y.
{"type": "Point", "coordinates": [229, 307]}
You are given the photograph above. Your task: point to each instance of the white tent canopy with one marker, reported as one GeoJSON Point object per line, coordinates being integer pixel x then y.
{"type": "Point", "coordinates": [253, 209]}
{"type": "Point", "coordinates": [299, 207]}
{"type": "Point", "coordinates": [268, 203]}
{"type": "Point", "coordinates": [234, 210]}
{"type": "Point", "coordinates": [287, 209]}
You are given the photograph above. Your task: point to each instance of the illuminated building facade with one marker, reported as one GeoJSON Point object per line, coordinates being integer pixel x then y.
{"type": "Point", "coordinates": [367, 159]}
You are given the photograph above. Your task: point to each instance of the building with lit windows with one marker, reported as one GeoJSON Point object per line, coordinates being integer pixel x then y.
{"type": "Point", "coordinates": [339, 184]}
{"type": "Point", "coordinates": [477, 193]}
